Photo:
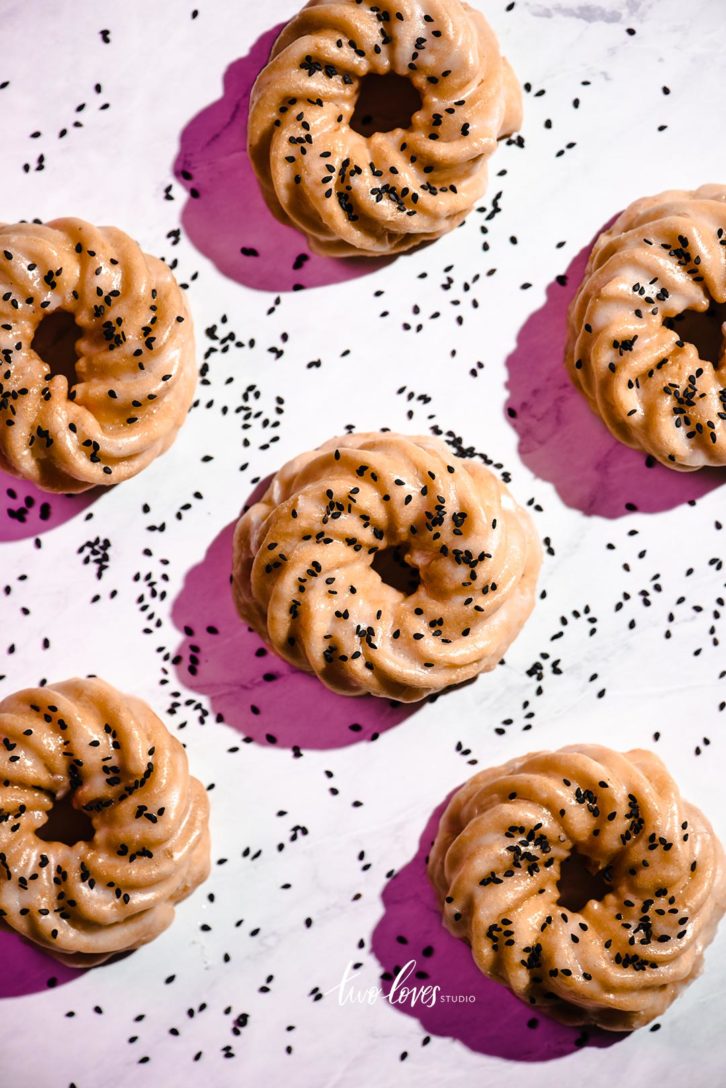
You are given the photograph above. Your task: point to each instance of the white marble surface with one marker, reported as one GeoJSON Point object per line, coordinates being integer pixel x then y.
{"type": "Point", "coordinates": [161, 67]}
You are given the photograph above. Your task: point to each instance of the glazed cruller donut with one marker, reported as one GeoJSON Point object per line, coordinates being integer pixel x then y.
{"type": "Point", "coordinates": [136, 370]}
{"type": "Point", "coordinates": [378, 194]}
{"type": "Point", "coordinates": [629, 350]}
{"type": "Point", "coordinates": [123, 769]}
{"type": "Point", "coordinates": [619, 961]}
{"type": "Point", "coordinates": [306, 575]}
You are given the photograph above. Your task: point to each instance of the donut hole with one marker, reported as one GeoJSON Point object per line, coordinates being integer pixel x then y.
{"type": "Point", "coordinates": [55, 343]}
{"type": "Point", "coordinates": [703, 330]}
{"type": "Point", "coordinates": [394, 570]}
{"type": "Point", "coordinates": [580, 882]}
{"type": "Point", "coordinates": [384, 103]}
{"type": "Point", "coordinates": [66, 824]}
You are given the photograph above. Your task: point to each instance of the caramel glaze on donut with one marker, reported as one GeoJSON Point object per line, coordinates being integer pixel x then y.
{"type": "Point", "coordinates": [664, 257]}
{"type": "Point", "coordinates": [136, 370]}
{"type": "Point", "coordinates": [123, 769]}
{"type": "Point", "coordinates": [356, 195]}
{"type": "Point", "coordinates": [303, 573]}
{"type": "Point", "coordinates": [620, 961]}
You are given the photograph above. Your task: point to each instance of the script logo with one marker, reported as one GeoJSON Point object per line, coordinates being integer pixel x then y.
{"type": "Point", "coordinates": [399, 993]}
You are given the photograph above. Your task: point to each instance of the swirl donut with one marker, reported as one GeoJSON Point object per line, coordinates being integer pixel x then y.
{"type": "Point", "coordinates": [136, 369]}
{"type": "Point", "coordinates": [617, 962]}
{"type": "Point", "coordinates": [121, 767]}
{"type": "Point", "coordinates": [382, 193]}
{"type": "Point", "coordinates": [464, 559]}
{"type": "Point", "coordinates": [662, 261]}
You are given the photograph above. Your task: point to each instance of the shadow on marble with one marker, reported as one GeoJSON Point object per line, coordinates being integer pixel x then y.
{"type": "Point", "coordinates": [27, 511]}
{"type": "Point", "coordinates": [27, 969]}
{"type": "Point", "coordinates": [254, 690]}
{"type": "Point", "coordinates": [561, 439]}
{"type": "Point", "coordinates": [496, 1023]}
{"type": "Point", "coordinates": [225, 215]}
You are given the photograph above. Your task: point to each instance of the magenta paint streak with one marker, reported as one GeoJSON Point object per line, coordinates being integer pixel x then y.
{"type": "Point", "coordinates": [254, 690]}
{"type": "Point", "coordinates": [497, 1023]}
{"type": "Point", "coordinates": [26, 511]}
{"type": "Point", "coordinates": [562, 440]}
{"type": "Point", "coordinates": [226, 216]}
{"type": "Point", "coordinates": [26, 969]}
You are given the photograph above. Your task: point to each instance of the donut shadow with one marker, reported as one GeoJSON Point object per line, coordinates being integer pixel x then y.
{"type": "Point", "coordinates": [248, 686]}
{"type": "Point", "coordinates": [226, 217]}
{"type": "Point", "coordinates": [561, 439]}
{"type": "Point", "coordinates": [27, 511]}
{"type": "Point", "coordinates": [27, 969]}
{"type": "Point", "coordinates": [495, 1022]}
